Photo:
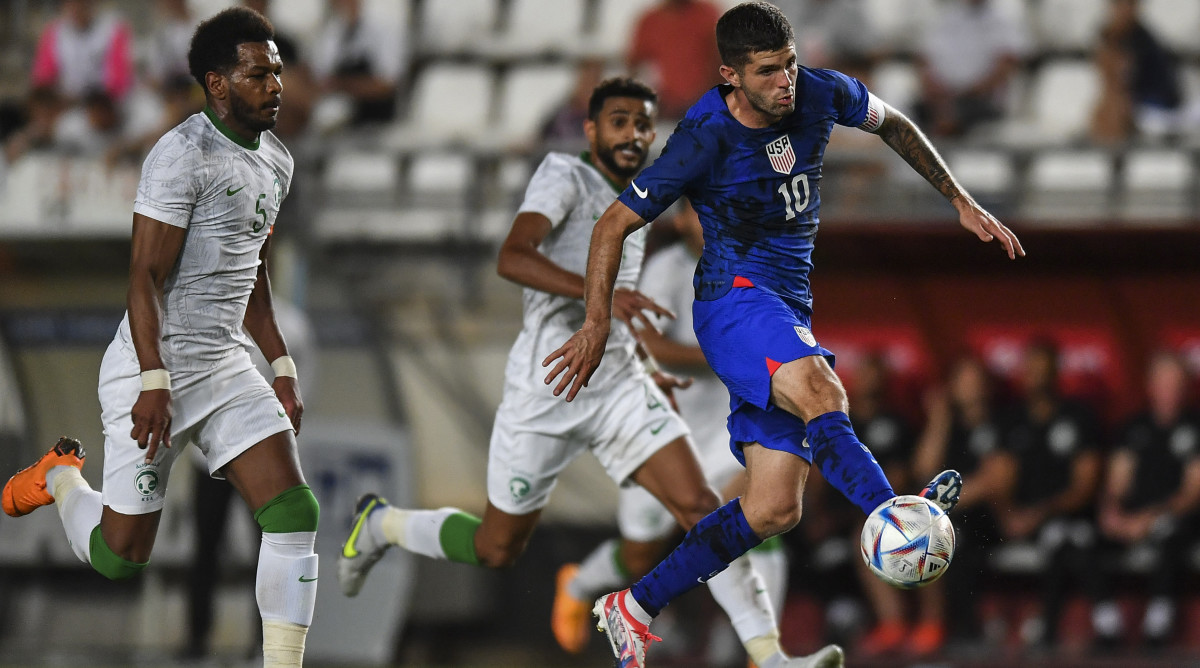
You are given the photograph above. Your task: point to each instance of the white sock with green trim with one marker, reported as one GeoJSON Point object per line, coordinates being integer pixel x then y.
{"type": "Point", "coordinates": [286, 590]}
{"type": "Point", "coordinates": [771, 562]}
{"type": "Point", "coordinates": [79, 507]}
{"type": "Point", "coordinates": [599, 573]}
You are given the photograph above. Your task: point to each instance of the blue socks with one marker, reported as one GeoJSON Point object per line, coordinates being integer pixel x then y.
{"type": "Point", "coordinates": [846, 463]}
{"type": "Point", "coordinates": [722, 536]}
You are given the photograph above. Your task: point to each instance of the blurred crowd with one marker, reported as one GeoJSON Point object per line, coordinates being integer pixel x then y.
{"type": "Point", "coordinates": [1058, 496]}
{"type": "Point", "coordinates": [97, 87]}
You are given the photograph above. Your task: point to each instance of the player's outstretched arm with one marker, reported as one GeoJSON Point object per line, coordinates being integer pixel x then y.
{"type": "Point", "coordinates": [579, 357]}
{"type": "Point", "coordinates": [907, 140]}
{"type": "Point", "coordinates": [155, 248]}
{"type": "Point", "coordinates": [264, 329]}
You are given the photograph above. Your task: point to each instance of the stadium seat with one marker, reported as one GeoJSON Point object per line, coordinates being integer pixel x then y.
{"type": "Point", "coordinates": [1068, 185]}
{"type": "Point", "coordinates": [362, 177]}
{"type": "Point", "coordinates": [452, 103]}
{"type": "Point", "coordinates": [900, 24]}
{"type": "Point", "coordinates": [440, 178]}
{"type": "Point", "coordinates": [1175, 22]}
{"type": "Point", "coordinates": [1062, 97]}
{"type": "Point", "coordinates": [461, 26]}
{"type": "Point", "coordinates": [897, 83]}
{"type": "Point", "coordinates": [984, 173]}
{"type": "Point", "coordinates": [539, 26]}
{"type": "Point", "coordinates": [529, 94]}
{"type": "Point", "coordinates": [303, 17]}
{"type": "Point", "coordinates": [1157, 184]}
{"type": "Point", "coordinates": [613, 27]}
{"type": "Point", "coordinates": [1068, 25]}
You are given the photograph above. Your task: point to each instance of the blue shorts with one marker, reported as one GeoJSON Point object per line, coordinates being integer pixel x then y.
{"type": "Point", "coordinates": [746, 335]}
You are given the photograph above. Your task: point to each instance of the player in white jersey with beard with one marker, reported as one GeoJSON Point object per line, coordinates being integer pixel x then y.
{"type": "Point", "coordinates": [626, 421]}
{"type": "Point", "coordinates": [178, 370]}
{"type": "Point", "coordinates": [646, 525]}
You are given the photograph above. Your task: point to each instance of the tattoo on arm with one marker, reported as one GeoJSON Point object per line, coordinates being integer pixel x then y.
{"type": "Point", "coordinates": [907, 140]}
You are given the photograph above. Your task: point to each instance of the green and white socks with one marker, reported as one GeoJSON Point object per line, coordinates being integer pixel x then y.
{"type": "Point", "coordinates": [446, 533]}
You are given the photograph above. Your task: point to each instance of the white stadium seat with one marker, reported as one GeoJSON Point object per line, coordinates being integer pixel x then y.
{"type": "Point", "coordinates": [1062, 98]}
{"type": "Point", "coordinates": [451, 104]}
{"type": "Point", "coordinates": [1069, 25]}
{"type": "Point", "coordinates": [453, 26]}
{"type": "Point", "coordinates": [528, 95]}
{"type": "Point", "coordinates": [983, 172]}
{"type": "Point", "coordinates": [897, 83]}
{"type": "Point", "coordinates": [440, 176]}
{"type": "Point", "coordinates": [614, 24]}
{"type": "Point", "coordinates": [1175, 22]}
{"type": "Point", "coordinates": [540, 26]}
{"type": "Point", "coordinates": [1157, 184]}
{"type": "Point", "coordinates": [1068, 185]}
{"type": "Point", "coordinates": [900, 24]}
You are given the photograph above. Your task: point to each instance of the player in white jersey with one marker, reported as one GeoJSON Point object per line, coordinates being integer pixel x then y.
{"type": "Point", "coordinates": [626, 423]}
{"type": "Point", "coordinates": [178, 370]}
{"type": "Point", "coordinates": [646, 525]}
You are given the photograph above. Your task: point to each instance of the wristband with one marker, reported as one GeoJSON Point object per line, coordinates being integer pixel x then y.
{"type": "Point", "coordinates": [284, 366]}
{"type": "Point", "coordinates": [156, 379]}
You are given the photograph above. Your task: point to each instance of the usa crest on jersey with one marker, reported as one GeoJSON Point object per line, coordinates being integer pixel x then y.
{"type": "Point", "coordinates": [782, 157]}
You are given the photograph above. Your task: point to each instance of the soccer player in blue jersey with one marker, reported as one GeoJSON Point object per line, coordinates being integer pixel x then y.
{"type": "Point", "coordinates": [748, 155]}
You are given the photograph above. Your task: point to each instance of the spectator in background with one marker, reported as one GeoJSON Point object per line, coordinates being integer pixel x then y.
{"type": "Point", "coordinates": [961, 432]}
{"type": "Point", "coordinates": [85, 50]}
{"type": "Point", "coordinates": [361, 61]}
{"type": "Point", "coordinates": [1150, 499]}
{"type": "Point", "coordinates": [168, 48]}
{"type": "Point", "coordinates": [42, 110]}
{"type": "Point", "coordinates": [92, 129]}
{"type": "Point", "coordinates": [832, 34]}
{"type": "Point", "coordinates": [674, 49]}
{"type": "Point", "coordinates": [1140, 80]}
{"type": "Point", "coordinates": [180, 98]}
{"type": "Point", "coordinates": [1050, 463]}
{"type": "Point", "coordinates": [966, 60]}
{"type": "Point", "coordinates": [564, 128]}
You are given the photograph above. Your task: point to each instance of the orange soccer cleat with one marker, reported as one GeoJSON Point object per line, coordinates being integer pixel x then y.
{"type": "Point", "coordinates": [26, 491]}
{"type": "Point", "coordinates": [570, 617]}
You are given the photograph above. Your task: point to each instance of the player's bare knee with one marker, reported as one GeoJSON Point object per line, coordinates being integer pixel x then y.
{"type": "Point", "coordinates": [772, 517]}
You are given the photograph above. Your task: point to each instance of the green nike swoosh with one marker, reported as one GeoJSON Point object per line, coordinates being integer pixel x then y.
{"type": "Point", "coordinates": [655, 430]}
{"type": "Point", "coordinates": [304, 579]}
{"type": "Point", "coordinates": [231, 192]}
{"type": "Point", "coordinates": [282, 414]}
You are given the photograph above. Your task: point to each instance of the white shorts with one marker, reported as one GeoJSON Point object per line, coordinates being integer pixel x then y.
{"type": "Point", "coordinates": [535, 436]}
{"type": "Point", "coordinates": [642, 518]}
{"type": "Point", "coordinates": [223, 410]}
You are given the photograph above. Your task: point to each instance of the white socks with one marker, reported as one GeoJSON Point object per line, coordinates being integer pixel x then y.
{"type": "Point", "coordinates": [286, 589]}
{"type": "Point", "coordinates": [598, 573]}
{"type": "Point", "coordinates": [740, 591]}
{"type": "Point", "coordinates": [772, 566]}
{"type": "Point", "coordinates": [417, 531]}
{"type": "Point", "coordinates": [79, 507]}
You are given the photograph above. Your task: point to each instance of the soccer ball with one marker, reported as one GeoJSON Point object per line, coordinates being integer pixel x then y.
{"type": "Point", "coordinates": [908, 542]}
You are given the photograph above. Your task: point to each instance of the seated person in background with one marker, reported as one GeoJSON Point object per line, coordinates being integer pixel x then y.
{"type": "Point", "coordinates": [563, 129]}
{"type": "Point", "coordinates": [85, 50]}
{"type": "Point", "coordinates": [833, 34]}
{"type": "Point", "coordinates": [361, 59]}
{"type": "Point", "coordinates": [1140, 89]}
{"type": "Point", "coordinates": [92, 129]}
{"type": "Point", "coordinates": [674, 47]}
{"type": "Point", "coordinates": [1051, 460]}
{"type": "Point", "coordinates": [967, 59]}
{"type": "Point", "coordinates": [36, 131]}
{"type": "Point", "coordinates": [1150, 498]}
{"type": "Point", "coordinates": [961, 432]}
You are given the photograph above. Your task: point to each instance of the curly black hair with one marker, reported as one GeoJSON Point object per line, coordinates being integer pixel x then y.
{"type": "Point", "coordinates": [215, 42]}
{"type": "Point", "coordinates": [751, 27]}
{"type": "Point", "coordinates": [618, 87]}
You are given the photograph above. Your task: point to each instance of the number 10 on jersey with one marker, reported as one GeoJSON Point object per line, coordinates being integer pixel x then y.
{"type": "Point", "coordinates": [795, 196]}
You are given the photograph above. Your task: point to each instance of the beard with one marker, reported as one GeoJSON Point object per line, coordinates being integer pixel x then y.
{"type": "Point", "coordinates": [249, 116]}
{"type": "Point", "coordinates": [768, 105]}
{"type": "Point", "coordinates": [606, 155]}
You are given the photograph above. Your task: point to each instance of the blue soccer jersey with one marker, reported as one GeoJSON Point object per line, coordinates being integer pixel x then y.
{"type": "Point", "coordinates": [756, 190]}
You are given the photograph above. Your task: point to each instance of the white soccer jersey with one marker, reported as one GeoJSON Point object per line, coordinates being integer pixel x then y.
{"type": "Point", "coordinates": [226, 192]}
{"type": "Point", "coordinates": [572, 194]}
{"type": "Point", "coordinates": [705, 405]}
